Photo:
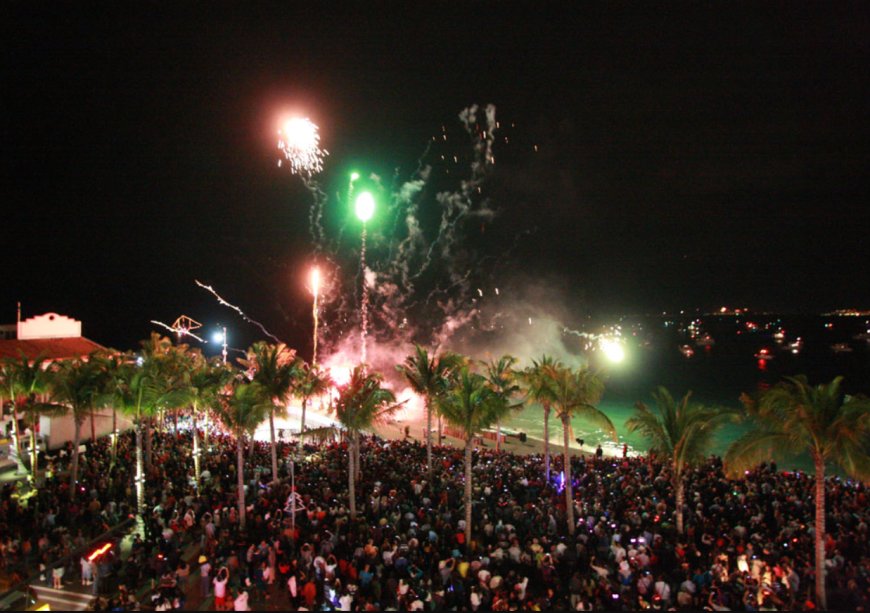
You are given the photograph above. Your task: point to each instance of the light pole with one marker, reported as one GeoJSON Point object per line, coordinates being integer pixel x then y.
{"type": "Point", "coordinates": [365, 208]}
{"type": "Point", "coordinates": [315, 290]}
{"type": "Point", "coordinates": [221, 337]}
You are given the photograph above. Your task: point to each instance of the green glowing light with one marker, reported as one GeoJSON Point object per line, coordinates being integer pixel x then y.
{"type": "Point", "coordinates": [354, 176]}
{"type": "Point", "coordinates": [365, 206]}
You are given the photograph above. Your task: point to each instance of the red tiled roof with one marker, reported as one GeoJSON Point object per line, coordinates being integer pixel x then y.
{"type": "Point", "coordinates": [51, 348]}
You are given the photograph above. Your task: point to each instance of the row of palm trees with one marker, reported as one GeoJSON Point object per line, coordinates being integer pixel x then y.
{"type": "Point", "coordinates": [472, 396]}
{"type": "Point", "coordinates": [790, 418]}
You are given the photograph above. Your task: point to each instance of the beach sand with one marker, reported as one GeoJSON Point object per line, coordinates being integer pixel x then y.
{"type": "Point", "coordinates": [395, 430]}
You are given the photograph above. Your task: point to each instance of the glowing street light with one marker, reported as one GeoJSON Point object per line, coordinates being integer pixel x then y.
{"type": "Point", "coordinates": [315, 290]}
{"type": "Point", "coordinates": [365, 209]}
{"type": "Point", "coordinates": [221, 337]}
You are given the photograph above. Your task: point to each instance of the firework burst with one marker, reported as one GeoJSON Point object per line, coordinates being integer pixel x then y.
{"type": "Point", "coordinates": [299, 140]}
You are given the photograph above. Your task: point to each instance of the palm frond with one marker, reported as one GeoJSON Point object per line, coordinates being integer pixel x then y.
{"type": "Point", "coordinates": [753, 448]}
{"type": "Point", "coordinates": [818, 419]}
{"type": "Point", "coordinates": [598, 418]}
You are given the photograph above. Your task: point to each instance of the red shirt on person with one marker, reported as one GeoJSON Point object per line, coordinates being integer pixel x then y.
{"type": "Point", "coordinates": [309, 593]}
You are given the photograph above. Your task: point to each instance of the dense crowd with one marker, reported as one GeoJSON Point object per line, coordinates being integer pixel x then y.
{"type": "Point", "coordinates": [748, 544]}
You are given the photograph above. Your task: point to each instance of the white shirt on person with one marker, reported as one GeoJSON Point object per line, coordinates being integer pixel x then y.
{"type": "Point", "coordinates": [220, 587]}
{"type": "Point", "coordinates": [241, 602]}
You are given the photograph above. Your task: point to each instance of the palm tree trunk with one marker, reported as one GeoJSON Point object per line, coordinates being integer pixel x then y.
{"type": "Point", "coordinates": [274, 448]}
{"type": "Point", "coordinates": [148, 432]}
{"type": "Point", "coordinates": [302, 422]}
{"type": "Point", "coordinates": [17, 432]}
{"type": "Point", "coordinates": [679, 489]}
{"type": "Point", "coordinates": [205, 429]}
{"type": "Point", "coordinates": [34, 452]}
{"type": "Point", "coordinates": [197, 466]}
{"type": "Point", "coordinates": [547, 442]}
{"type": "Point", "coordinates": [93, 428]}
{"type": "Point", "coordinates": [820, 534]}
{"type": "Point", "coordinates": [498, 434]}
{"type": "Point", "coordinates": [351, 485]}
{"type": "Point", "coordinates": [468, 449]}
{"type": "Point", "coordinates": [240, 477]}
{"type": "Point", "coordinates": [428, 439]}
{"type": "Point", "coordinates": [357, 469]}
{"type": "Point", "coordinates": [140, 471]}
{"type": "Point", "coordinates": [115, 435]}
{"type": "Point", "coordinates": [569, 489]}
{"type": "Point", "coordinates": [74, 471]}
{"type": "Point", "coordinates": [440, 434]}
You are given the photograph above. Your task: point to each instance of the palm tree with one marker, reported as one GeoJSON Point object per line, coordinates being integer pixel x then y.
{"type": "Point", "coordinates": [576, 393]}
{"type": "Point", "coordinates": [79, 385]}
{"type": "Point", "coordinates": [794, 417]}
{"type": "Point", "coordinates": [680, 431]}
{"type": "Point", "coordinates": [30, 382]}
{"type": "Point", "coordinates": [360, 404]}
{"type": "Point", "coordinates": [275, 368]}
{"type": "Point", "coordinates": [241, 412]}
{"type": "Point", "coordinates": [471, 405]}
{"type": "Point", "coordinates": [157, 352]}
{"type": "Point", "coordinates": [9, 386]}
{"type": "Point", "coordinates": [109, 362]}
{"type": "Point", "coordinates": [311, 381]}
{"type": "Point", "coordinates": [141, 386]}
{"type": "Point", "coordinates": [207, 379]}
{"type": "Point", "coordinates": [539, 378]}
{"type": "Point", "coordinates": [133, 394]}
{"type": "Point", "coordinates": [428, 377]}
{"type": "Point", "coordinates": [503, 379]}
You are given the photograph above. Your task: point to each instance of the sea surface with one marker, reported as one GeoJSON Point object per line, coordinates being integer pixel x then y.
{"type": "Point", "coordinates": [723, 364]}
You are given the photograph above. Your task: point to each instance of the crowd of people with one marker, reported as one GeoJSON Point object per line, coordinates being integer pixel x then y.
{"type": "Point", "coordinates": [747, 544]}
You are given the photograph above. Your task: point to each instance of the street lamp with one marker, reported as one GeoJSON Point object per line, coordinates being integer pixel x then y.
{"type": "Point", "coordinates": [221, 337]}
{"type": "Point", "coordinates": [365, 209]}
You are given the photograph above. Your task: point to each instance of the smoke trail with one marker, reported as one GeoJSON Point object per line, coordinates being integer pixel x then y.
{"type": "Point", "coordinates": [238, 310]}
{"type": "Point", "coordinates": [315, 213]}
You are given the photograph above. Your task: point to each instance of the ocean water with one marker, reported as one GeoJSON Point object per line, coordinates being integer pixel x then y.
{"type": "Point", "coordinates": [718, 373]}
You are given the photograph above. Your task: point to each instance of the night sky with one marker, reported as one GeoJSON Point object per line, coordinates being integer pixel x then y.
{"type": "Point", "coordinates": [688, 156]}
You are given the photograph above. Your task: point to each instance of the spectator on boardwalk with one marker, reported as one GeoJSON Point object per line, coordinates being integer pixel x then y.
{"type": "Point", "coordinates": [747, 544]}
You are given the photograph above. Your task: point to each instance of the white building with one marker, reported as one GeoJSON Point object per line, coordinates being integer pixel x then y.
{"type": "Point", "coordinates": [55, 337]}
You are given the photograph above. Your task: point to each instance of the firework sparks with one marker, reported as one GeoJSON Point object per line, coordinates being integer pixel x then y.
{"type": "Point", "coordinates": [315, 290]}
{"type": "Point", "coordinates": [412, 267]}
{"type": "Point", "coordinates": [299, 140]}
{"type": "Point", "coordinates": [238, 310]}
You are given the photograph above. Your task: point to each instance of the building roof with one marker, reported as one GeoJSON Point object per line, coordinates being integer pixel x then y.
{"type": "Point", "coordinates": [51, 348]}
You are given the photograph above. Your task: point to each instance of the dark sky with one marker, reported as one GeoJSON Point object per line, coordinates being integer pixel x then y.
{"type": "Point", "coordinates": [689, 155]}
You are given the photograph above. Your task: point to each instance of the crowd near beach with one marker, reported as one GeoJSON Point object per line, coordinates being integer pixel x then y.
{"type": "Point", "coordinates": [747, 544]}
